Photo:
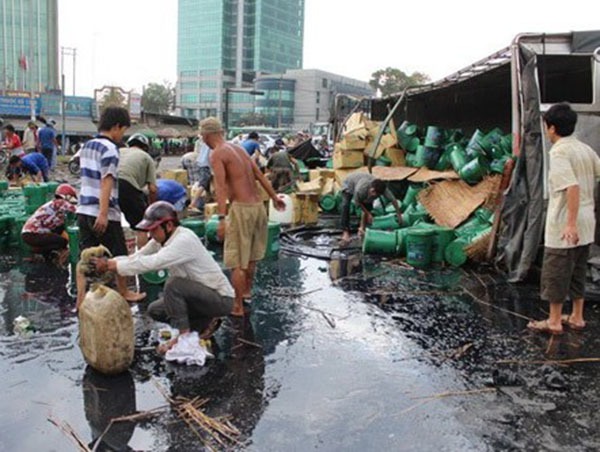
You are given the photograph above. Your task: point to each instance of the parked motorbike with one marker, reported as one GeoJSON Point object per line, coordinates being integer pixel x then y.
{"type": "Point", "coordinates": [74, 163]}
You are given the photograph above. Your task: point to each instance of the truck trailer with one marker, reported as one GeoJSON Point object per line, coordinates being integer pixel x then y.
{"type": "Point", "coordinates": [511, 89]}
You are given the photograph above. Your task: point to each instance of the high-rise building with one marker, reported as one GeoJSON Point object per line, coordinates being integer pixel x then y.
{"type": "Point", "coordinates": [28, 45]}
{"type": "Point", "coordinates": [225, 44]}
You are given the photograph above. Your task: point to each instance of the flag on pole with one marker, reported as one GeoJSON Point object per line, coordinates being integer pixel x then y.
{"type": "Point", "coordinates": [23, 62]}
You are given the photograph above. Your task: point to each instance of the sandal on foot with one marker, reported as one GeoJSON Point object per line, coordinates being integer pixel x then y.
{"type": "Point", "coordinates": [542, 326]}
{"type": "Point", "coordinates": [566, 320]}
{"type": "Point", "coordinates": [212, 327]}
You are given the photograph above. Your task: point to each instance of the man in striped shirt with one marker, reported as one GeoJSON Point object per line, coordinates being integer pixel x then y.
{"type": "Point", "coordinates": [98, 212]}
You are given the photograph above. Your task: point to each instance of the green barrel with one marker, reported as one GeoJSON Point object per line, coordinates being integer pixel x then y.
{"type": "Point", "coordinates": [379, 242]}
{"type": "Point", "coordinates": [328, 203]}
{"type": "Point", "coordinates": [432, 156]}
{"type": "Point", "coordinates": [484, 215]}
{"type": "Point", "coordinates": [3, 186]}
{"type": "Point", "coordinates": [329, 164]}
{"type": "Point", "coordinates": [51, 189]}
{"type": "Point", "coordinates": [443, 236]}
{"type": "Point", "coordinates": [476, 144]}
{"type": "Point", "coordinates": [211, 229]}
{"type": "Point", "coordinates": [458, 158]}
{"type": "Point", "coordinates": [410, 196]}
{"type": "Point", "coordinates": [158, 277]}
{"type": "Point", "coordinates": [19, 223]}
{"type": "Point", "coordinates": [410, 160]}
{"type": "Point", "coordinates": [418, 214]}
{"type": "Point", "coordinates": [385, 222]}
{"type": "Point", "coordinates": [407, 129]}
{"type": "Point", "coordinates": [497, 166]}
{"type": "Point", "coordinates": [411, 145]}
{"type": "Point", "coordinates": [195, 225]}
{"type": "Point", "coordinates": [383, 161]}
{"type": "Point", "coordinates": [455, 252]}
{"type": "Point", "coordinates": [492, 140]}
{"type": "Point", "coordinates": [73, 233]}
{"type": "Point", "coordinates": [420, 157]}
{"type": "Point", "coordinates": [273, 239]}
{"type": "Point", "coordinates": [444, 162]}
{"type": "Point", "coordinates": [496, 152]}
{"type": "Point", "coordinates": [472, 224]}
{"type": "Point", "coordinates": [35, 196]}
{"type": "Point", "coordinates": [434, 137]}
{"type": "Point", "coordinates": [401, 241]}
{"type": "Point", "coordinates": [506, 143]}
{"type": "Point", "coordinates": [407, 214]}
{"type": "Point", "coordinates": [474, 171]}
{"type": "Point", "coordinates": [419, 244]}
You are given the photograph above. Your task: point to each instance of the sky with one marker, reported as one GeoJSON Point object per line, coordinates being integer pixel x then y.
{"type": "Point", "coordinates": [130, 43]}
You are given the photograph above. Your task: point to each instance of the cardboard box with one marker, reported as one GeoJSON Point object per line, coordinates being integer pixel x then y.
{"type": "Point", "coordinates": [314, 186]}
{"type": "Point", "coordinates": [179, 175]}
{"type": "Point", "coordinates": [355, 139]}
{"type": "Point", "coordinates": [306, 208]}
{"type": "Point", "coordinates": [313, 174]}
{"type": "Point", "coordinates": [327, 188]}
{"type": "Point", "coordinates": [347, 159]}
{"type": "Point", "coordinates": [397, 156]}
{"type": "Point", "coordinates": [341, 174]}
{"type": "Point", "coordinates": [326, 173]}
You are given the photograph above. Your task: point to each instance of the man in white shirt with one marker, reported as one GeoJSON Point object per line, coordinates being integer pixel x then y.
{"type": "Point", "coordinates": [197, 292]}
{"type": "Point", "coordinates": [574, 170]}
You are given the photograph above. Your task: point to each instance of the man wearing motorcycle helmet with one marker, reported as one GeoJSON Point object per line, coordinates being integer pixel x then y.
{"type": "Point", "coordinates": [197, 292]}
{"type": "Point", "coordinates": [136, 172]}
{"type": "Point", "coordinates": [44, 231]}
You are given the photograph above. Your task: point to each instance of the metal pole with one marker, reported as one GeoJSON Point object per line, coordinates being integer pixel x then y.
{"type": "Point", "coordinates": [226, 112]}
{"type": "Point", "coordinates": [30, 62]}
{"type": "Point", "coordinates": [74, 60]}
{"type": "Point", "coordinates": [62, 110]}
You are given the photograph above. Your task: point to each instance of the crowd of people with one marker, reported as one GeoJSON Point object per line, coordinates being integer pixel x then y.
{"type": "Point", "coordinates": [197, 294]}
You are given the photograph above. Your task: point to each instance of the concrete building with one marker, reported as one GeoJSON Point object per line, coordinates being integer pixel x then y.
{"type": "Point", "coordinates": [299, 98]}
{"type": "Point", "coordinates": [28, 45]}
{"type": "Point", "coordinates": [225, 44]}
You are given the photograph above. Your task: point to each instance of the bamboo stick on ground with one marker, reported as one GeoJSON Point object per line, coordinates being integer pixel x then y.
{"type": "Point", "coordinates": [70, 433]}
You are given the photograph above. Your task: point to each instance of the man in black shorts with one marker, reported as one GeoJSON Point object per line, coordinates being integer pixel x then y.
{"type": "Point", "coordinates": [136, 171]}
{"type": "Point", "coordinates": [98, 212]}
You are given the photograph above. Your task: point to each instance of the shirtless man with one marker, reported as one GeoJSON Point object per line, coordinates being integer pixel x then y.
{"type": "Point", "coordinates": [235, 177]}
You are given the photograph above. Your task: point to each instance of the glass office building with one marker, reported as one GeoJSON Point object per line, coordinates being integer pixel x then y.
{"type": "Point", "coordinates": [226, 43]}
{"type": "Point", "coordinates": [28, 45]}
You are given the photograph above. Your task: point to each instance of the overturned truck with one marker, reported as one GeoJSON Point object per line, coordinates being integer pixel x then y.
{"type": "Point", "coordinates": [511, 89]}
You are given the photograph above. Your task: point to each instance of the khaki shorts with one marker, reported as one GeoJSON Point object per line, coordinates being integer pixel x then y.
{"type": "Point", "coordinates": [246, 234]}
{"type": "Point", "coordinates": [563, 273]}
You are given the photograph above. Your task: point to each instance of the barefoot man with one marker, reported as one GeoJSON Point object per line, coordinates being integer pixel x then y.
{"type": "Point", "coordinates": [245, 233]}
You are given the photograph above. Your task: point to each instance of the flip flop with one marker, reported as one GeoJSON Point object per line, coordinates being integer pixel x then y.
{"type": "Point", "coordinates": [566, 320]}
{"type": "Point", "coordinates": [541, 326]}
{"type": "Point", "coordinates": [212, 327]}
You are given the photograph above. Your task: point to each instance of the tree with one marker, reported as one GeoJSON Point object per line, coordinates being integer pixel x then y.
{"type": "Point", "coordinates": [392, 80]}
{"type": "Point", "coordinates": [113, 97]}
{"type": "Point", "coordinates": [158, 98]}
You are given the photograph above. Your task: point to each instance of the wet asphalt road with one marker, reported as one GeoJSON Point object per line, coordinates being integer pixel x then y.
{"type": "Point", "coordinates": [355, 354]}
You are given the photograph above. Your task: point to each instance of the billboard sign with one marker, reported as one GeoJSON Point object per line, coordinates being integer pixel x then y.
{"type": "Point", "coordinates": [15, 106]}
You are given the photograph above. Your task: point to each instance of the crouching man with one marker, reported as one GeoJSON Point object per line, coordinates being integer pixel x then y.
{"type": "Point", "coordinates": [197, 293]}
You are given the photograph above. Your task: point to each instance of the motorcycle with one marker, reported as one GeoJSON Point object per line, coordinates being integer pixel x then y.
{"type": "Point", "coordinates": [75, 164]}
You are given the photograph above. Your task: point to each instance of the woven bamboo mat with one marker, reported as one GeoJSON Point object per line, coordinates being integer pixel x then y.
{"type": "Point", "coordinates": [451, 202]}
{"type": "Point", "coordinates": [393, 172]}
{"type": "Point", "coordinates": [425, 174]}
